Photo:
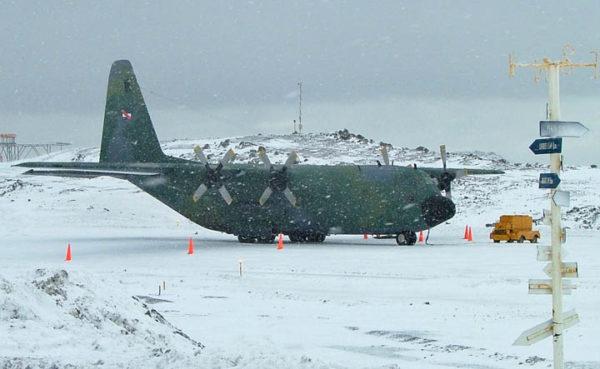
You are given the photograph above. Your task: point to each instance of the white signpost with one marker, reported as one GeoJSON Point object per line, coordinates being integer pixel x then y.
{"type": "Point", "coordinates": [553, 127]}
{"type": "Point", "coordinates": [541, 331]}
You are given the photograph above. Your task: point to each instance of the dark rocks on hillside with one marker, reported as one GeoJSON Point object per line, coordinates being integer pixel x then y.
{"type": "Point", "coordinates": [387, 145]}
{"type": "Point", "coordinates": [346, 135]}
{"type": "Point", "coordinates": [244, 144]}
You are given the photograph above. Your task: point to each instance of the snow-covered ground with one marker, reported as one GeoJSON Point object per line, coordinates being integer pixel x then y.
{"type": "Point", "coordinates": [346, 303]}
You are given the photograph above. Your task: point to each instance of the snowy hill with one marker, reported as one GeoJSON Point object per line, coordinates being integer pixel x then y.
{"type": "Point", "coordinates": [349, 303]}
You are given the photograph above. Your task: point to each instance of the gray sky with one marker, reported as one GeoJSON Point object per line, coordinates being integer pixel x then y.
{"type": "Point", "coordinates": [407, 72]}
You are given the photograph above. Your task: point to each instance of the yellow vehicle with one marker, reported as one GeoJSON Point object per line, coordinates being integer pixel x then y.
{"type": "Point", "coordinates": [512, 228]}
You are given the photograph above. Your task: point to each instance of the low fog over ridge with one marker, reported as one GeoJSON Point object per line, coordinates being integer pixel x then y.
{"type": "Point", "coordinates": [489, 124]}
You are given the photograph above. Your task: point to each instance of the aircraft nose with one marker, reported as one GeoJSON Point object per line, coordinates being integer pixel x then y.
{"type": "Point", "coordinates": [437, 209]}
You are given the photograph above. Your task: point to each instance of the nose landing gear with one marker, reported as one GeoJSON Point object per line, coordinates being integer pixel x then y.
{"type": "Point", "coordinates": [406, 238]}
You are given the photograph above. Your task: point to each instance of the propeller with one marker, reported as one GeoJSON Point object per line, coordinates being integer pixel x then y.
{"type": "Point", "coordinates": [278, 180]}
{"type": "Point", "coordinates": [214, 178]}
{"type": "Point", "coordinates": [446, 178]}
{"type": "Point", "coordinates": [384, 153]}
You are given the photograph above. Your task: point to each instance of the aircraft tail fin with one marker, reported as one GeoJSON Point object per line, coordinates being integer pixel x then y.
{"type": "Point", "coordinates": [128, 135]}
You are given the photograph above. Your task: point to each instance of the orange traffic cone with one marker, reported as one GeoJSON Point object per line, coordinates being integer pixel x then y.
{"type": "Point", "coordinates": [466, 237]}
{"type": "Point", "coordinates": [191, 247]}
{"type": "Point", "coordinates": [68, 258]}
{"type": "Point", "coordinates": [470, 238]}
{"type": "Point", "coordinates": [421, 238]}
{"type": "Point", "coordinates": [365, 236]}
{"type": "Point", "coordinates": [280, 244]}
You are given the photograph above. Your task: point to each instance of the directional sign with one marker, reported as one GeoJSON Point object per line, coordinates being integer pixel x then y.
{"type": "Point", "coordinates": [541, 331]}
{"type": "Point", "coordinates": [544, 287]}
{"type": "Point", "coordinates": [555, 128]}
{"type": "Point", "coordinates": [547, 219]}
{"type": "Point", "coordinates": [568, 270]}
{"type": "Point", "coordinates": [546, 146]}
{"type": "Point", "coordinates": [549, 180]}
{"type": "Point", "coordinates": [561, 198]}
{"type": "Point", "coordinates": [544, 253]}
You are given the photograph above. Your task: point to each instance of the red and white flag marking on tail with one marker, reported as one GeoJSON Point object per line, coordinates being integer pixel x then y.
{"type": "Point", "coordinates": [125, 114]}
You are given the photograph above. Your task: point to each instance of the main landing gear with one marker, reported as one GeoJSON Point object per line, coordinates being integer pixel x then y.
{"type": "Point", "coordinates": [295, 237]}
{"type": "Point", "coordinates": [304, 237]}
{"type": "Point", "coordinates": [254, 239]}
{"type": "Point", "coordinates": [406, 238]}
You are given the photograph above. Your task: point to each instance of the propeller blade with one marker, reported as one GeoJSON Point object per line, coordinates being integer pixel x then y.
{"type": "Point", "coordinates": [443, 152]}
{"type": "Point", "coordinates": [262, 154]}
{"type": "Point", "coordinates": [225, 195]}
{"type": "Point", "coordinates": [228, 157]}
{"type": "Point", "coordinates": [199, 154]}
{"type": "Point", "coordinates": [384, 152]}
{"type": "Point", "coordinates": [449, 193]}
{"type": "Point", "coordinates": [265, 196]}
{"type": "Point", "coordinates": [290, 196]}
{"type": "Point", "coordinates": [291, 159]}
{"type": "Point", "coordinates": [199, 192]}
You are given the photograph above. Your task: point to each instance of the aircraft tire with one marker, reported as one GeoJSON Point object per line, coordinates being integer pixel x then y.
{"type": "Point", "coordinates": [317, 237]}
{"type": "Point", "coordinates": [246, 239]}
{"type": "Point", "coordinates": [312, 237]}
{"type": "Point", "coordinates": [266, 239]}
{"type": "Point", "coordinates": [406, 238]}
{"type": "Point", "coordinates": [296, 237]}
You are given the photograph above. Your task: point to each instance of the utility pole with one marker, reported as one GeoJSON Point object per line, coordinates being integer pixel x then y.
{"type": "Point", "coordinates": [555, 130]}
{"type": "Point", "coordinates": [300, 109]}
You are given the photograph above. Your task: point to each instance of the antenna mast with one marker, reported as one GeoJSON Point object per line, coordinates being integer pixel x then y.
{"type": "Point", "coordinates": [300, 109]}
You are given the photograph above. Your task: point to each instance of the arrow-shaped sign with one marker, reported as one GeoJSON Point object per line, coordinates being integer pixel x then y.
{"type": "Point", "coordinates": [549, 180]}
{"type": "Point", "coordinates": [544, 287]}
{"type": "Point", "coordinates": [546, 146]}
{"type": "Point", "coordinates": [561, 198]}
{"type": "Point", "coordinates": [544, 253]}
{"type": "Point", "coordinates": [541, 331]}
{"type": "Point", "coordinates": [555, 128]}
{"type": "Point", "coordinates": [547, 216]}
{"type": "Point", "coordinates": [568, 270]}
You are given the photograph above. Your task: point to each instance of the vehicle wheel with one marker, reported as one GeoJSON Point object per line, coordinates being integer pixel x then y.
{"type": "Point", "coordinates": [522, 239]}
{"type": "Point", "coordinates": [496, 241]}
{"type": "Point", "coordinates": [246, 239]}
{"type": "Point", "coordinates": [510, 240]}
{"type": "Point", "coordinates": [534, 239]}
{"type": "Point", "coordinates": [406, 238]}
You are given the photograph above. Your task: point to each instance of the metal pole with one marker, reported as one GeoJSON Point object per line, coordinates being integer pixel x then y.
{"type": "Point", "coordinates": [300, 109]}
{"type": "Point", "coordinates": [555, 164]}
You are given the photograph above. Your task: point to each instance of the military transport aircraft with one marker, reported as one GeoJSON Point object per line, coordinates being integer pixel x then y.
{"type": "Point", "coordinates": [255, 202]}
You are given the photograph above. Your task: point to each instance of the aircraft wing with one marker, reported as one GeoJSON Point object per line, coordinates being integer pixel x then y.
{"type": "Point", "coordinates": [459, 172]}
{"type": "Point", "coordinates": [92, 170]}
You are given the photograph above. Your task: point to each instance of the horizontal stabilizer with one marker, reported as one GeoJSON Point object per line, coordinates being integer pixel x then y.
{"type": "Point", "coordinates": [85, 173]}
{"type": "Point", "coordinates": [92, 170]}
